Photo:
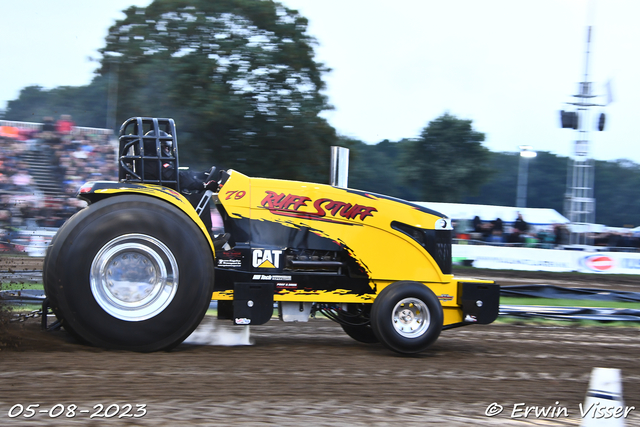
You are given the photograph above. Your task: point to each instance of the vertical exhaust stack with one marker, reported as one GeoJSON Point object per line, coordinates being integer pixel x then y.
{"type": "Point", "coordinates": [339, 166]}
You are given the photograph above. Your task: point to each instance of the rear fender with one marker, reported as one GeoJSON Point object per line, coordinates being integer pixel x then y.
{"type": "Point", "coordinates": [94, 191]}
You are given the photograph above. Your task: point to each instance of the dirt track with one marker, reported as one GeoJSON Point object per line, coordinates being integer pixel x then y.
{"type": "Point", "coordinates": [314, 374]}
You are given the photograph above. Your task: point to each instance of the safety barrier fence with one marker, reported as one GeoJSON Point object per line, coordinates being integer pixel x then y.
{"type": "Point", "coordinates": [543, 245]}
{"type": "Point", "coordinates": [587, 260]}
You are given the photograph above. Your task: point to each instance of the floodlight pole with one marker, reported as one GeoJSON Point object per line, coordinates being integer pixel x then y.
{"type": "Point", "coordinates": [579, 200]}
{"type": "Point", "coordinates": [526, 153]}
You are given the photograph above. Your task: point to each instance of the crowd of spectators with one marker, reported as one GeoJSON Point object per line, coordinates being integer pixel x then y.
{"type": "Point", "coordinates": [520, 233]}
{"type": "Point", "coordinates": [74, 156]}
{"type": "Point", "coordinates": [616, 240]}
{"type": "Point", "coordinates": [80, 158]}
{"type": "Point", "coordinates": [515, 233]}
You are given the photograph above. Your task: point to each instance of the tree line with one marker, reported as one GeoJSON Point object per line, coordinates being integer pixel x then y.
{"type": "Point", "coordinates": [241, 80]}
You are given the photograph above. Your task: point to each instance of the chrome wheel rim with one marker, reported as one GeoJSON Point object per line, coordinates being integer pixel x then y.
{"type": "Point", "coordinates": [134, 277]}
{"type": "Point", "coordinates": [411, 318]}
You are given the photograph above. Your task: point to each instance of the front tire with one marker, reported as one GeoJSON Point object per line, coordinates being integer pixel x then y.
{"type": "Point", "coordinates": [355, 323]}
{"type": "Point", "coordinates": [407, 317]}
{"type": "Point", "coordinates": [130, 272]}
{"type": "Point", "coordinates": [361, 333]}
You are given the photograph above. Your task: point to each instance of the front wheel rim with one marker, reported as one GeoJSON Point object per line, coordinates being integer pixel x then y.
{"type": "Point", "coordinates": [411, 318]}
{"type": "Point", "coordinates": [134, 277]}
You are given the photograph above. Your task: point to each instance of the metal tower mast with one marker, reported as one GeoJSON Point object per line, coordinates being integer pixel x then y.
{"type": "Point", "coordinates": [579, 201]}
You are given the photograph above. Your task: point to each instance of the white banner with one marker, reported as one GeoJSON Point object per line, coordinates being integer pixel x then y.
{"type": "Point", "coordinates": [531, 259]}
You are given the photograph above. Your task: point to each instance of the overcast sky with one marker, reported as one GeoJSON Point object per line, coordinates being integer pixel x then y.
{"type": "Point", "coordinates": [509, 66]}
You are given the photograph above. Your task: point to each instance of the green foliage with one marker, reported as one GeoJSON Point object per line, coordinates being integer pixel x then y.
{"type": "Point", "coordinates": [501, 189]}
{"type": "Point", "coordinates": [547, 182]}
{"type": "Point", "coordinates": [616, 192]}
{"type": "Point", "coordinates": [238, 76]}
{"type": "Point", "coordinates": [615, 186]}
{"type": "Point", "coordinates": [87, 105]}
{"type": "Point", "coordinates": [376, 168]}
{"type": "Point", "coordinates": [384, 168]}
{"type": "Point", "coordinates": [547, 177]}
{"type": "Point", "coordinates": [447, 162]}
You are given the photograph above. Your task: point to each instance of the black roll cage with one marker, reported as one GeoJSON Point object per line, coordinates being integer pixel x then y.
{"type": "Point", "coordinates": [140, 147]}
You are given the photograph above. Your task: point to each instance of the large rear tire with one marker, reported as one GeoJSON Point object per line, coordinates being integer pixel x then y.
{"type": "Point", "coordinates": [51, 296]}
{"type": "Point", "coordinates": [130, 272]}
{"type": "Point", "coordinates": [407, 317]}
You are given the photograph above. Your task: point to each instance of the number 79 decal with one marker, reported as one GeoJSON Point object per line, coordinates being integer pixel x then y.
{"type": "Point", "coordinates": [237, 195]}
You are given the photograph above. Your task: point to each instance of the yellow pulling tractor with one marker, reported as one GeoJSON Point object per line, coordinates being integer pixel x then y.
{"type": "Point", "coordinates": [138, 268]}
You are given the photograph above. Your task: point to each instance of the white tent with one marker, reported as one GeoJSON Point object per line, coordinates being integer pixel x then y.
{"type": "Point", "coordinates": [533, 216]}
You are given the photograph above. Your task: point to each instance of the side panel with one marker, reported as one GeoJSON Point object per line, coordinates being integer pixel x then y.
{"type": "Point", "coordinates": [317, 242]}
{"type": "Point", "coordinates": [358, 222]}
{"type": "Point", "coordinates": [480, 301]}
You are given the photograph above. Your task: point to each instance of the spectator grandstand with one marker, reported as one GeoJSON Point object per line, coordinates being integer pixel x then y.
{"type": "Point", "coordinates": [43, 166]}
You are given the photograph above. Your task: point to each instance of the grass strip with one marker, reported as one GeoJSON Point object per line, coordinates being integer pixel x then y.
{"type": "Point", "coordinates": [568, 302]}
{"type": "Point", "coordinates": [11, 286]}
